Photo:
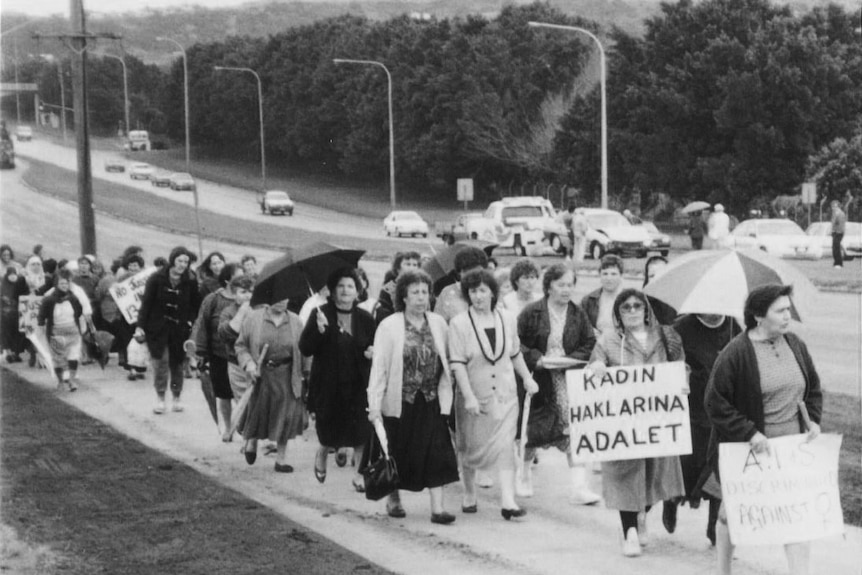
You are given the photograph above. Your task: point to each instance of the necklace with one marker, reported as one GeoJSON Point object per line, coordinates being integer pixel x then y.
{"type": "Point", "coordinates": [500, 340]}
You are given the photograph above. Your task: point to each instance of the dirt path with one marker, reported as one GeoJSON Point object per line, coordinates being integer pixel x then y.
{"type": "Point", "coordinates": [104, 503]}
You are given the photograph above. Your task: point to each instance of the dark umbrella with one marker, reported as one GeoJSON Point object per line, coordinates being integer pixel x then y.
{"type": "Point", "coordinates": [301, 271]}
{"type": "Point", "coordinates": [190, 348]}
{"type": "Point", "coordinates": [442, 263]}
{"type": "Point", "coordinates": [100, 342]}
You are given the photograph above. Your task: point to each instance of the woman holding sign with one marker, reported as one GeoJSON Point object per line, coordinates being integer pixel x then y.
{"type": "Point", "coordinates": [633, 486]}
{"type": "Point", "coordinates": [754, 393]}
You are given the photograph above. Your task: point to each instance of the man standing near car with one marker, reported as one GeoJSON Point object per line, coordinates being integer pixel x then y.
{"type": "Point", "coordinates": [839, 222]}
{"type": "Point", "coordinates": [566, 220]}
{"type": "Point", "coordinates": [579, 235]}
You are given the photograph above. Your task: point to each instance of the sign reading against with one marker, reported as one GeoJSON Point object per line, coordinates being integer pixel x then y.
{"type": "Point", "coordinates": [128, 294]}
{"type": "Point", "coordinates": [786, 496]}
{"type": "Point", "coordinates": [465, 189]}
{"type": "Point", "coordinates": [28, 312]}
{"type": "Point", "coordinates": [630, 413]}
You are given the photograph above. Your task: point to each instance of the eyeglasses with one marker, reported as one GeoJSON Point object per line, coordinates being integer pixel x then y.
{"type": "Point", "coordinates": [632, 307]}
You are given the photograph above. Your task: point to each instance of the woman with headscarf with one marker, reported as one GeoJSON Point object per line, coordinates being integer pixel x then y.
{"type": "Point", "coordinates": [37, 284]}
{"type": "Point", "coordinates": [12, 341]}
{"type": "Point", "coordinates": [339, 336]}
{"type": "Point", "coordinates": [633, 486]}
{"type": "Point", "coordinates": [60, 314]}
{"type": "Point", "coordinates": [754, 394]}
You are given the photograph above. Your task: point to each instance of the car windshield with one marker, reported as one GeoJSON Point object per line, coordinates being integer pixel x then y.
{"type": "Point", "coordinates": [142, 166]}
{"type": "Point", "coordinates": [523, 212]}
{"type": "Point", "coordinates": [650, 227]}
{"type": "Point", "coordinates": [407, 216]}
{"type": "Point", "coordinates": [183, 176]}
{"type": "Point", "coordinates": [276, 195]}
{"type": "Point", "coordinates": [779, 228]}
{"type": "Point", "coordinates": [599, 221]}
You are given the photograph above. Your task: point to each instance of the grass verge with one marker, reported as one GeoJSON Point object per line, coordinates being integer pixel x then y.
{"type": "Point", "coordinates": [841, 414]}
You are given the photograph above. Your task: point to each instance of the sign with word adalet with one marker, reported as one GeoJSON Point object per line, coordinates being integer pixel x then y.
{"type": "Point", "coordinates": [786, 496]}
{"type": "Point", "coordinates": [631, 413]}
{"type": "Point", "coordinates": [28, 312]}
{"type": "Point", "coordinates": [128, 294]}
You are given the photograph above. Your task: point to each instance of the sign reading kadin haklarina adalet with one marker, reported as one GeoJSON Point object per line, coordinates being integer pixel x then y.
{"type": "Point", "coordinates": [631, 413]}
{"type": "Point", "coordinates": [128, 294]}
{"type": "Point", "coordinates": [786, 496]}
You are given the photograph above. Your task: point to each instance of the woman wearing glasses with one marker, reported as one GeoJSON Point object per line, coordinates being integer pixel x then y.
{"type": "Point", "coordinates": [632, 486]}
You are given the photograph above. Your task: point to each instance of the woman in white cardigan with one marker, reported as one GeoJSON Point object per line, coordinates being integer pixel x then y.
{"type": "Point", "coordinates": [410, 388]}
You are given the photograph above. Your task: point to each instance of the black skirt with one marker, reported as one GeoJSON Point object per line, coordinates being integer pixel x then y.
{"type": "Point", "coordinates": [422, 446]}
{"type": "Point", "coordinates": [344, 422]}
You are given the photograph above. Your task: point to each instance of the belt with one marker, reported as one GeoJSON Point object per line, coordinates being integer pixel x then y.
{"type": "Point", "coordinates": [277, 362]}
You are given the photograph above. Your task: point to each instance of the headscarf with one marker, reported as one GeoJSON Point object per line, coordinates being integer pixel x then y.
{"type": "Point", "coordinates": [34, 274]}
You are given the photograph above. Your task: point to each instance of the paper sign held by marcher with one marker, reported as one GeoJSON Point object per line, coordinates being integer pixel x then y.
{"type": "Point", "coordinates": [28, 312]}
{"type": "Point", "coordinates": [786, 496]}
{"type": "Point", "coordinates": [630, 413]}
{"type": "Point", "coordinates": [128, 294]}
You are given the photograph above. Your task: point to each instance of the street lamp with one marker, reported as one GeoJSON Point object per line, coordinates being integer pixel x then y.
{"type": "Point", "coordinates": [188, 147]}
{"type": "Point", "coordinates": [260, 113]}
{"type": "Point", "coordinates": [391, 129]}
{"type": "Point", "coordinates": [602, 81]}
{"type": "Point", "coordinates": [125, 87]}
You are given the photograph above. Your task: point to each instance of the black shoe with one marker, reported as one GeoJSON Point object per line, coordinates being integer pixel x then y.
{"type": "Point", "coordinates": [668, 515]}
{"type": "Point", "coordinates": [32, 360]}
{"type": "Point", "coordinates": [470, 508]}
{"type": "Point", "coordinates": [340, 459]}
{"type": "Point", "coordinates": [250, 457]}
{"type": "Point", "coordinates": [442, 518]}
{"type": "Point", "coordinates": [510, 513]}
{"type": "Point", "coordinates": [395, 510]}
{"type": "Point", "coordinates": [279, 468]}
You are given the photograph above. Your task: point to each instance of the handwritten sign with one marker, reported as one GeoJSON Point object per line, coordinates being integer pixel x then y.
{"type": "Point", "coordinates": [630, 413]}
{"type": "Point", "coordinates": [128, 294]}
{"type": "Point", "coordinates": [787, 496]}
{"type": "Point", "coordinates": [28, 312]}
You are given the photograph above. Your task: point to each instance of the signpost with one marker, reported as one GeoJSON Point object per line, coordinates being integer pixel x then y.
{"type": "Point", "coordinates": [465, 191]}
{"type": "Point", "coordinates": [809, 196]}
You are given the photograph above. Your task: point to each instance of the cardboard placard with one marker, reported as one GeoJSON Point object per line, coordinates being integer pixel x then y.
{"type": "Point", "coordinates": [28, 312]}
{"type": "Point", "coordinates": [128, 294]}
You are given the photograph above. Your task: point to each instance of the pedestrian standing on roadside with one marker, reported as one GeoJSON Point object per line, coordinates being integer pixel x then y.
{"type": "Point", "coordinates": [567, 219]}
{"type": "Point", "coordinates": [554, 327]}
{"type": "Point", "coordinates": [696, 230]}
{"type": "Point", "coordinates": [838, 226]}
{"type": "Point", "coordinates": [339, 336]}
{"type": "Point", "coordinates": [719, 228]}
{"type": "Point", "coordinates": [633, 486]}
{"type": "Point", "coordinates": [169, 306]}
{"type": "Point", "coordinates": [485, 354]}
{"type": "Point", "coordinates": [580, 225]}
{"type": "Point", "coordinates": [410, 390]}
{"type": "Point", "coordinates": [599, 304]}
{"type": "Point", "coordinates": [61, 314]}
{"type": "Point", "coordinates": [753, 395]}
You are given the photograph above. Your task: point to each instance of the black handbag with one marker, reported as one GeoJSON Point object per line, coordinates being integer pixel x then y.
{"type": "Point", "coordinates": [379, 471]}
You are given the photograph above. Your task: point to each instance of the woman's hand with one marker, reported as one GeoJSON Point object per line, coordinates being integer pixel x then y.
{"type": "Point", "coordinates": [531, 386]}
{"type": "Point", "coordinates": [139, 335]}
{"type": "Point", "coordinates": [250, 368]}
{"type": "Point", "coordinates": [322, 322]}
{"type": "Point", "coordinates": [541, 363]}
{"type": "Point", "coordinates": [759, 443]}
{"type": "Point", "coordinates": [369, 352]}
{"type": "Point", "coordinates": [374, 415]}
{"type": "Point", "coordinates": [597, 368]}
{"type": "Point", "coordinates": [471, 405]}
{"type": "Point", "coordinates": [813, 431]}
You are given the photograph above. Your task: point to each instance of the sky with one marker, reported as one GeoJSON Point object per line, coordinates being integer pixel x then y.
{"type": "Point", "coordinates": [48, 7]}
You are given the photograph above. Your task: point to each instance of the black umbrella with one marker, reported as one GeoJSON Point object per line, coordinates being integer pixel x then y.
{"type": "Point", "coordinates": [442, 263]}
{"type": "Point", "coordinates": [301, 271]}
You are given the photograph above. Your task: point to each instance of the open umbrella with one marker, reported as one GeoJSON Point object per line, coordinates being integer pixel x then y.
{"type": "Point", "coordinates": [442, 263]}
{"type": "Point", "coordinates": [301, 271]}
{"type": "Point", "coordinates": [718, 281]}
{"type": "Point", "coordinates": [695, 207]}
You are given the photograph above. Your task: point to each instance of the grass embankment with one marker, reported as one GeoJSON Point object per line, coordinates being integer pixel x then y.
{"type": "Point", "coordinates": [841, 414]}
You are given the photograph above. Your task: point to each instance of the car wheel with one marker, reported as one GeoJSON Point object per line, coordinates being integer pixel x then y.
{"type": "Point", "coordinates": [557, 244]}
{"type": "Point", "coordinates": [387, 232]}
{"type": "Point", "coordinates": [424, 235]}
{"type": "Point", "coordinates": [597, 251]}
{"type": "Point", "coordinates": [474, 236]}
{"type": "Point", "coordinates": [664, 253]}
{"type": "Point", "coordinates": [290, 213]}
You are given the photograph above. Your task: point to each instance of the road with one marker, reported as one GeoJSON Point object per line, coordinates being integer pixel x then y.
{"type": "Point", "coordinates": [554, 535]}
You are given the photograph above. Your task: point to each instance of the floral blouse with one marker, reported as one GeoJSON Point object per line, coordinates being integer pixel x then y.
{"type": "Point", "coordinates": [422, 365]}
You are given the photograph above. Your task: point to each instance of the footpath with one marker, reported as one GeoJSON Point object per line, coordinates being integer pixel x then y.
{"type": "Point", "coordinates": [108, 487]}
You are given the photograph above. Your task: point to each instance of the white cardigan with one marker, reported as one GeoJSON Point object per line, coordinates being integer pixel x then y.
{"type": "Point", "coordinates": [387, 365]}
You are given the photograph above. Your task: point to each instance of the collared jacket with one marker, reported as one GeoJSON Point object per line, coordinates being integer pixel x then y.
{"type": "Point", "coordinates": [167, 313]}
{"type": "Point", "coordinates": [590, 304]}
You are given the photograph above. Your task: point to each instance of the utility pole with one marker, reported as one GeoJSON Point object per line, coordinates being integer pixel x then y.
{"type": "Point", "coordinates": [76, 41]}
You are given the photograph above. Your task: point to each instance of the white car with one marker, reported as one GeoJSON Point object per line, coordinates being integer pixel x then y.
{"type": "Point", "coordinates": [141, 171]}
{"type": "Point", "coordinates": [405, 223]}
{"type": "Point", "coordinates": [851, 244]}
{"type": "Point", "coordinates": [24, 133]}
{"type": "Point", "coordinates": [610, 232]}
{"type": "Point", "coordinates": [518, 222]}
{"type": "Point", "coordinates": [778, 237]}
{"type": "Point", "coordinates": [276, 201]}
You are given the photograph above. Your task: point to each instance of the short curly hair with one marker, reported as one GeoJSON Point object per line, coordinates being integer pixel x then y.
{"type": "Point", "coordinates": [474, 279]}
{"type": "Point", "coordinates": [470, 257]}
{"type": "Point", "coordinates": [611, 261]}
{"type": "Point", "coordinates": [521, 268]}
{"type": "Point", "coordinates": [407, 279]}
{"type": "Point", "coordinates": [553, 273]}
{"type": "Point", "coordinates": [337, 276]}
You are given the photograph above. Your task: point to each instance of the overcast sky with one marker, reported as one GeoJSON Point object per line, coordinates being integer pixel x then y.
{"type": "Point", "coordinates": [48, 7]}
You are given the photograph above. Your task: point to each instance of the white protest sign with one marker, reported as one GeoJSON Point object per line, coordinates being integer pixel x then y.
{"type": "Point", "coordinates": [631, 413]}
{"type": "Point", "coordinates": [128, 294]}
{"type": "Point", "coordinates": [787, 496]}
{"type": "Point", "coordinates": [28, 312]}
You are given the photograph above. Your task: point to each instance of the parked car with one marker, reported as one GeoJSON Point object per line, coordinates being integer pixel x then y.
{"type": "Point", "coordinates": [401, 223]}
{"type": "Point", "coordinates": [24, 133]}
{"type": "Point", "coordinates": [140, 171]}
{"type": "Point", "coordinates": [659, 241]}
{"type": "Point", "coordinates": [517, 222]}
{"type": "Point", "coordinates": [851, 244]}
{"type": "Point", "coordinates": [276, 201]}
{"type": "Point", "coordinates": [115, 165]}
{"type": "Point", "coordinates": [465, 227]}
{"type": "Point", "coordinates": [180, 181]}
{"type": "Point", "coordinates": [610, 232]}
{"type": "Point", "coordinates": [161, 179]}
{"type": "Point", "coordinates": [778, 237]}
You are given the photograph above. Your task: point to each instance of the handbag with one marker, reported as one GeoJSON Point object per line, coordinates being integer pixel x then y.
{"type": "Point", "coordinates": [137, 354]}
{"type": "Point", "coordinates": [545, 425]}
{"type": "Point", "coordinates": [379, 469]}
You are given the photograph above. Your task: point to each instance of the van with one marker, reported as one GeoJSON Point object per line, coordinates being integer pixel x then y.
{"type": "Point", "coordinates": [139, 140]}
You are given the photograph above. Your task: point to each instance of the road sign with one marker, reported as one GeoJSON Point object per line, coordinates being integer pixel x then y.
{"type": "Point", "coordinates": [809, 193]}
{"type": "Point", "coordinates": [465, 189]}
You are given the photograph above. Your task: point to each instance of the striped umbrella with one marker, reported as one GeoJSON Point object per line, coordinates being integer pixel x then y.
{"type": "Point", "coordinates": [718, 281]}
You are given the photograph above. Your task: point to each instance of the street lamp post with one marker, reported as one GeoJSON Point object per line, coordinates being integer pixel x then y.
{"type": "Point", "coordinates": [260, 113]}
{"type": "Point", "coordinates": [391, 128]}
{"type": "Point", "coordinates": [125, 87]}
{"type": "Point", "coordinates": [602, 81]}
{"type": "Point", "coordinates": [188, 139]}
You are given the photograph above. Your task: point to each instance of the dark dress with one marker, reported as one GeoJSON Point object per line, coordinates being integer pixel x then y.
{"type": "Point", "coordinates": [702, 346]}
{"type": "Point", "coordinates": [337, 391]}
{"type": "Point", "coordinates": [419, 440]}
{"type": "Point", "coordinates": [12, 339]}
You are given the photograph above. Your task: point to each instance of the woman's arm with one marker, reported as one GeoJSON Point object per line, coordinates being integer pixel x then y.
{"type": "Point", "coordinates": [379, 376]}
{"type": "Point", "coordinates": [731, 424]}
{"type": "Point", "coordinates": [526, 377]}
{"type": "Point", "coordinates": [242, 347]}
{"type": "Point", "coordinates": [586, 336]}
{"type": "Point", "coordinates": [528, 327]}
{"type": "Point", "coordinates": [312, 338]}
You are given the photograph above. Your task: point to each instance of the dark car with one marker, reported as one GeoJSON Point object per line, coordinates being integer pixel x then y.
{"type": "Point", "coordinates": [180, 181]}
{"type": "Point", "coordinates": [161, 179]}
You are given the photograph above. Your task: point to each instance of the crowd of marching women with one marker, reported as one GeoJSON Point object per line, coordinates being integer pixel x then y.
{"type": "Point", "coordinates": [451, 371]}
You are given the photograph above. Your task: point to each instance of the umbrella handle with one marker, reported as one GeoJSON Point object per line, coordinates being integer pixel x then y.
{"type": "Point", "coordinates": [260, 359]}
{"type": "Point", "coordinates": [522, 448]}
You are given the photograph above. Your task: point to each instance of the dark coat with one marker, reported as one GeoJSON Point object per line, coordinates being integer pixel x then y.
{"type": "Point", "coordinates": [734, 400]}
{"type": "Point", "coordinates": [167, 313]}
{"type": "Point", "coordinates": [206, 329]}
{"type": "Point", "coordinates": [590, 305]}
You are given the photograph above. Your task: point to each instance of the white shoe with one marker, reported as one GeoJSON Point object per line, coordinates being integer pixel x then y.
{"type": "Point", "coordinates": [524, 482]}
{"type": "Point", "coordinates": [581, 493]}
{"type": "Point", "coordinates": [159, 408]}
{"type": "Point", "coordinates": [631, 544]}
{"type": "Point", "coordinates": [177, 406]}
{"type": "Point", "coordinates": [484, 480]}
{"type": "Point", "coordinates": [643, 534]}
